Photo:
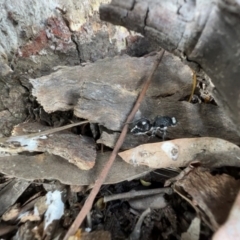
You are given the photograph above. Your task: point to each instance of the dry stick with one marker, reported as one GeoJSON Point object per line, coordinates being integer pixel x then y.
{"type": "Point", "coordinates": [136, 233]}
{"type": "Point", "coordinates": [133, 194]}
{"type": "Point", "coordinates": [46, 132]}
{"type": "Point", "coordinates": [89, 202]}
{"type": "Point", "coordinates": [194, 84]}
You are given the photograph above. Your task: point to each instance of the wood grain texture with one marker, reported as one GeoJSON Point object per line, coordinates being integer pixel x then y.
{"type": "Point", "coordinates": [78, 150]}
{"type": "Point", "coordinates": [204, 33]}
{"type": "Point", "coordinates": [46, 166]}
{"type": "Point", "coordinates": [104, 92]}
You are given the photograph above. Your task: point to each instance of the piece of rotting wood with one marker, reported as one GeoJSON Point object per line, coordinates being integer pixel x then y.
{"type": "Point", "coordinates": [78, 150]}
{"type": "Point", "coordinates": [107, 98]}
{"type": "Point", "coordinates": [105, 91]}
{"type": "Point", "coordinates": [49, 166]}
{"type": "Point", "coordinates": [89, 201]}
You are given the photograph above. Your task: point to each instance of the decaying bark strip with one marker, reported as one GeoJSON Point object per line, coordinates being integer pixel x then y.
{"type": "Point", "coordinates": [203, 120]}
{"type": "Point", "coordinates": [11, 192]}
{"type": "Point", "coordinates": [48, 166]}
{"type": "Point", "coordinates": [204, 33]}
{"type": "Point", "coordinates": [78, 150]}
{"type": "Point", "coordinates": [103, 175]}
{"type": "Point", "coordinates": [207, 194]}
{"type": "Point", "coordinates": [104, 92]}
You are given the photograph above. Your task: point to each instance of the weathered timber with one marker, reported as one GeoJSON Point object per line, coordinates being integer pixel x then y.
{"type": "Point", "coordinates": [78, 150]}
{"type": "Point", "coordinates": [46, 166]}
{"type": "Point", "coordinates": [194, 120]}
{"type": "Point", "coordinates": [205, 33]}
{"type": "Point", "coordinates": [105, 91]}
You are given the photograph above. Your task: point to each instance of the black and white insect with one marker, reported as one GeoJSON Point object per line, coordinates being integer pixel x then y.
{"type": "Point", "coordinates": [143, 126]}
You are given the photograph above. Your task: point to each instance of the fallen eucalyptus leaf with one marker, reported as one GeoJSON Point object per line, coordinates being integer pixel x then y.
{"type": "Point", "coordinates": [180, 152]}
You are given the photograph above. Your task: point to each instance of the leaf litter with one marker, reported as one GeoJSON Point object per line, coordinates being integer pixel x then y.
{"type": "Point", "coordinates": [173, 213]}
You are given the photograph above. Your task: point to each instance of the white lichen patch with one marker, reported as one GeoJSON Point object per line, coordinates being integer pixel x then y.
{"type": "Point", "coordinates": [55, 207]}
{"type": "Point", "coordinates": [171, 150]}
{"type": "Point", "coordinates": [27, 144]}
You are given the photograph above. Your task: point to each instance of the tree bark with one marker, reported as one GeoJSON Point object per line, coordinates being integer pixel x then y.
{"type": "Point", "coordinates": [206, 33]}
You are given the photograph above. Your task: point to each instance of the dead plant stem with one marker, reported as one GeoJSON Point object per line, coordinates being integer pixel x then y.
{"type": "Point", "coordinates": [133, 194]}
{"type": "Point", "coordinates": [43, 133]}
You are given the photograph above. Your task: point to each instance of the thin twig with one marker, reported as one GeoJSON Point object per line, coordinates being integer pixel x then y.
{"type": "Point", "coordinates": [43, 133]}
{"type": "Point", "coordinates": [136, 233]}
{"type": "Point", "coordinates": [194, 84]}
{"type": "Point", "coordinates": [134, 193]}
{"type": "Point", "coordinates": [89, 201]}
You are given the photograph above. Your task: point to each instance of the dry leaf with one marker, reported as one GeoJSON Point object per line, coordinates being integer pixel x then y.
{"type": "Point", "coordinates": [5, 229]}
{"type": "Point", "coordinates": [12, 213]}
{"type": "Point", "coordinates": [180, 152]}
{"type": "Point", "coordinates": [193, 232]}
{"type": "Point", "coordinates": [230, 230]}
{"type": "Point", "coordinates": [29, 216]}
{"type": "Point", "coordinates": [212, 196]}
{"type": "Point", "coordinates": [11, 192]}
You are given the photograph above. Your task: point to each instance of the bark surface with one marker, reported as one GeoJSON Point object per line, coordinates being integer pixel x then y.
{"type": "Point", "coordinates": [205, 33]}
